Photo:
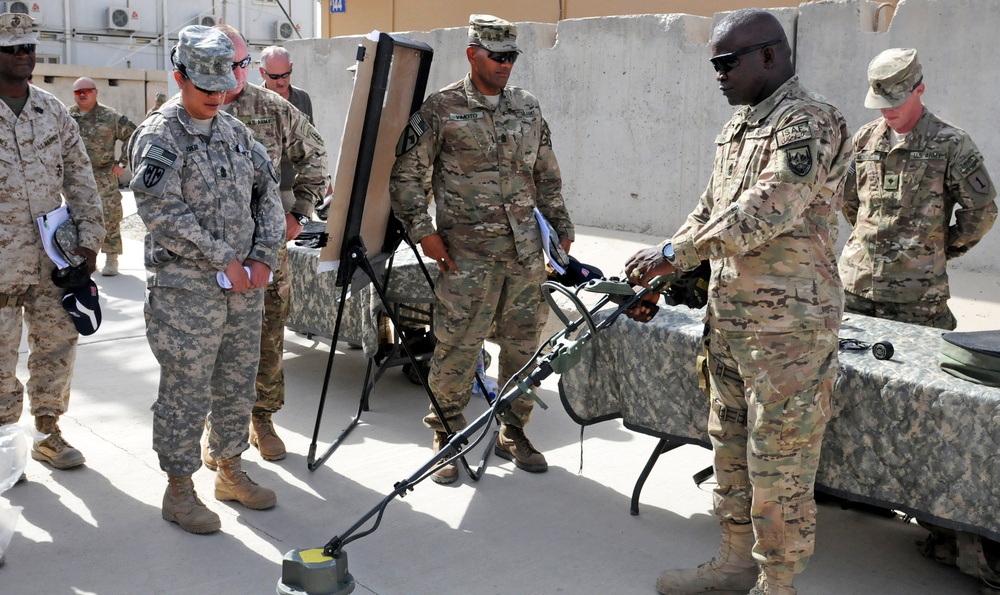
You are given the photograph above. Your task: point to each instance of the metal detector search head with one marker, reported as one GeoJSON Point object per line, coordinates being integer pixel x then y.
{"type": "Point", "coordinates": [311, 572]}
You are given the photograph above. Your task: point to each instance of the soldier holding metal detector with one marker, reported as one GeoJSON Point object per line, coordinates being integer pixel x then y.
{"type": "Point", "coordinates": [487, 150]}
{"type": "Point", "coordinates": [768, 223]}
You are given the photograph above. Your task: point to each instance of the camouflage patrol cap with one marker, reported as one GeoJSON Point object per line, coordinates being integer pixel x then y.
{"type": "Point", "coordinates": [496, 35]}
{"type": "Point", "coordinates": [15, 29]}
{"type": "Point", "coordinates": [207, 56]}
{"type": "Point", "coordinates": [893, 75]}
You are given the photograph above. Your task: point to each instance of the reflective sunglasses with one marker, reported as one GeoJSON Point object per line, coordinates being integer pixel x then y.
{"type": "Point", "coordinates": [242, 63]}
{"type": "Point", "coordinates": [84, 91]}
{"type": "Point", "coordinates": [275, 77]}
{"type": "Point", "coordinates": [723, 63]}
{"type": "Point", "coordinates": [14, 50]}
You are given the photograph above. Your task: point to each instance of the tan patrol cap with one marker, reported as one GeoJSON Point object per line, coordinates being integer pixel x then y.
{"type": "Point", "coordinates": [15, 29]}
{"type": "Point", "coordinates": [893, 75]}
{"type": "Point", "coordinates": [496, 35]}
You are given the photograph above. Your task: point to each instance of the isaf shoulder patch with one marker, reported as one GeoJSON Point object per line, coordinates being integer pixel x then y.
{"type": "Point", "coordinates": [799, 160]}
{"type": "Point", "coordinates": [415, 128]}
{"type": "Point", "coordinates": [794, 133]}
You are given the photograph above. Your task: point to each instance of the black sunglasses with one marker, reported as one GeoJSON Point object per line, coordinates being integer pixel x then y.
{"type": "Point", "coordinates": [242, 63]}
{"type": "Point", "coordinates": [723, 63]}
{"type": "Point", "coordinates": [13, 50]}
{"type": "Point", "coordinates": [275, 77]}
{"type": "Point", "coordinates": [501, 57]}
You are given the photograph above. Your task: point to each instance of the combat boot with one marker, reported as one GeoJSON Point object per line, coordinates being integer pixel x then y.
{"type": "Point", "coordinates": [513, 445]}
{"type": "Point", "coordinates": [732, 569]}
{"type": "Point", "coordinates": [182, 505]}
{"type": "Point", "coordinates": [110, 265]}
{"type": "Point", "coordinates": [263, 436]}
{"type": "Point", "coordinates": [232, 483]}
{"type": "Point", "coordinates": [206, 456]}
{"type": "Point", "coordinates": [448, 473]}
{"type": "Point", "coordinates": [773, 582]}
{"type": "Point", "coordinates": [54, 450]}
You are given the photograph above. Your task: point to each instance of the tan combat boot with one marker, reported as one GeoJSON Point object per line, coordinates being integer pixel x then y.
{"type": "Point", "coordinates": [773, 582]}
{"type": "Point", "coordinates": [732, 569]}
{"type": "Point", "coordinates": [232, 483]}
{"type": "Point", "coordinates": [263, 436]}
{"type": "Point", "coordinates": [110, 265]}
{"type": "Point", "coordinates": [206, 456]}
{"type": "Point", "coordinates": [513, 445]}
{"type": "Point", "coordinates": [54, 450]}
{"type": "Point", "coordinates": [448, 473]}
{"type": "Point", "coordinates": [182, 505]}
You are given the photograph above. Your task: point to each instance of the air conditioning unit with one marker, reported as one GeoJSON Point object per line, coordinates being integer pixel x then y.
{"type": "Point", "coordinates": [18, 7]}
{"type": "Point", "coordinates": [122, 19]}
{"type": "Point", "coordinates": [283, 30]}
{"type": "Point", "coordinates": [207, 20]}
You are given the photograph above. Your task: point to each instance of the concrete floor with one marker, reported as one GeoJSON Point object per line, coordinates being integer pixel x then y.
{"type": "Point", "coordinates": [97, 529]}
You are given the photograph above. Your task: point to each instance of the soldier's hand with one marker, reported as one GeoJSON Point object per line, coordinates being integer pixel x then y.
{"type": "Point", "coordinates": [644, 309]}
{"type": "Point", "coordinates": [117, 170]}
{"type": "Point", "coordinates": [565, 244]}
{"type": "Point", "coordinates": [646, 264]}
{"type": "Point", "coordinates": [237, 276]}
{"type": "Point", "coordinates": [89, 256]}
{"type": "Point", "coordinates": [433, 247]}
{"type": "Point", "coordinates": [292, 227]}
{"type": "Point", "coordinates": [260, 273]}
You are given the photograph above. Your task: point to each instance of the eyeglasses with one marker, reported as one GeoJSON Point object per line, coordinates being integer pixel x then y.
{"type": "Point", "coordinates": [275, 77]}
{"type": "Point", "coordinates": [723, 63]}
{"type": "Point", "coordinates": [499, 57]}
{"type": "Point", "coordinates": [242, 63]}
{"type": "Point", "coordinates": [83, 91]}
{"type": "Point", "coordinates": [14, 50]}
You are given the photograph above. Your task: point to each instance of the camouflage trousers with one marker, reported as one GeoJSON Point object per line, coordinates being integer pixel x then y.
{"type": "Point", "coordinates": [770, 406]}
{"type": "Point", "coordinates": [111, 200]}
{"type": "Point", "coordinates": [270, 372]}
{"type": "Point", "coordinates": [52, 340]}
{"type": "Point", "coordinates": [207, 348]}
{"type": "Point", "coordinates": [468, 303]}
{"type": "Point", "coordinates": [933, 314]}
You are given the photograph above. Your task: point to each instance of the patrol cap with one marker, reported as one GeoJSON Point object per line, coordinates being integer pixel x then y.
{"type": "Point", "coordinates": [893, 75]}
{"type": "Point", "coordinates": [161, 97]}
{"type": "Point", "coordinates": [496, 35]}
{"type": "Point", "coordinates": [207, 57]}
{"type": "Point", "coordinates": [15, 29]}
{"type": "Point", "coordinates": [84, 306]}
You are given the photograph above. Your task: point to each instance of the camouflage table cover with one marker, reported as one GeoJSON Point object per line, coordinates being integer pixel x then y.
{"type": "Point", "coordinates": [904, 434]}
{"type": "Point", "coordinates": [315, 296]}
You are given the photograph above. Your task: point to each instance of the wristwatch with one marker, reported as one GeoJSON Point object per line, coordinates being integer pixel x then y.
{"type": "Point", "coordinates": [668, 252]}
{"type": "Point", "coordinates": [302, 219]}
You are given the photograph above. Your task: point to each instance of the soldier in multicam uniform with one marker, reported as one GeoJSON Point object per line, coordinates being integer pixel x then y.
{"type": "Point", "coordinates": [768, 224]}
{"type": "Point", "coordinates": [207, 193]}
{"type": "Point", "coordinates": [488, 152]}
{"type": "Point", "coordinates": [158, 102]}
{"type": "Point", "coordinates": [43, 160]}
{"type": "Point", "coordinates": [100, 127]}
{"type": "Point", "coordinates": [912, 171]}
{"type": "Point", "coordinates": [287, 135]}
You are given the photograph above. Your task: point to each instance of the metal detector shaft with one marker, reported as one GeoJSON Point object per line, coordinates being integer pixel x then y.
{"type": "Point", "coordinates": [564, 355]}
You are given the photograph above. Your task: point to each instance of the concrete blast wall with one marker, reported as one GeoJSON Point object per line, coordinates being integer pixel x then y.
{"type": "Point", "coordinates": [634, 106]}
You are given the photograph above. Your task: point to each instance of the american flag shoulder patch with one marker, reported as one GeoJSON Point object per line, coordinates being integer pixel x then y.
{"type": "Point", "coordinates": [160, 155]}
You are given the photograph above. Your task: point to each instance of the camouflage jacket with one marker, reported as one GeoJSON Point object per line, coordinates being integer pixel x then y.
{"type": "Point", "coordinates": [99, 129]}
{"type": "Point", "coordinates": [194, 195]}
{"type": "Point", "coordinates": [900, 202]}
{"type": "Point", "coordinates": [488, 168]}
{"type": "Point", "coordinates": [286, 134]}
{"type": "Point", "coordinates": [768, 220]}
{"type": "Point", "coordinates": [42, 161]}
{"type": "Point", "coordinates": [301, 100]}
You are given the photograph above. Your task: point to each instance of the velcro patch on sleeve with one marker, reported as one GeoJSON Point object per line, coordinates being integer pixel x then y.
{"type": "Point", "coordinates": [798, 132]}
{"type": "Point", "coordinates": [415, 128]}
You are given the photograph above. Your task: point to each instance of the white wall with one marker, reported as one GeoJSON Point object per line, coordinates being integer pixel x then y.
{"type": "Point", "coordinates": [634, 106]}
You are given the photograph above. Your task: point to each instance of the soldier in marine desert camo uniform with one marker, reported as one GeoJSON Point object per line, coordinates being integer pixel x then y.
{"type": "Point", "coordinates": [43, 161]}
{"type": "Point", "coordinates": [208, 195]}
{"type": "Point", "coordinates": [488, 152]}
{"type": "Point", "coordinates": [912, 171]}
{"type": "Point", "coordinates": [768, 224]}
{"type": "Point", "coordinates": [101, 127]}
